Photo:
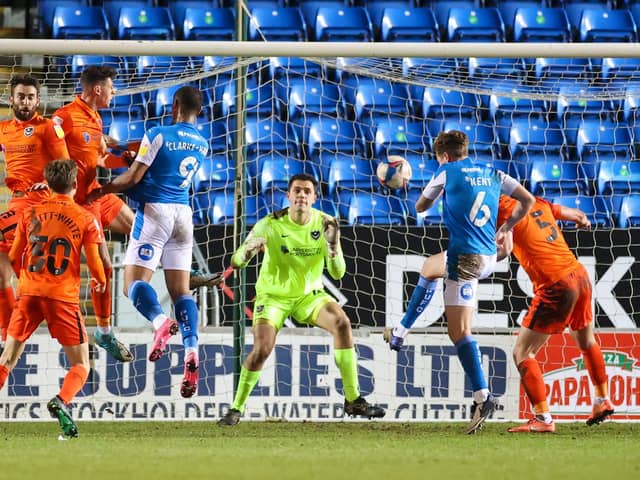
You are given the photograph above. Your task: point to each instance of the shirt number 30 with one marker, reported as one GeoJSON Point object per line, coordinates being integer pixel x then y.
{"type": "Point", "coordinates": [41, 258]}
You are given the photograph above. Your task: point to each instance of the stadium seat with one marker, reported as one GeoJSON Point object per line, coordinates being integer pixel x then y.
{"type": "Point", "coordinates": [555, 177]}
{"type": "Point", "coordinates": [178, 8]}
{"type": "Point", "coordinates": [442, 104]}
{"type": "Point", "coordinates": [576, 103]}
{"type": "Point", "coordinates": [408, 25]}
{"type": "Point", "coordinates": [535, 24]}
{"type": "Point", "coordinates": [275, 173]}
{"type": "Point", "coordinates": [309, 9]}
{"type": "Point", "coordinates": [508, 8]}
{"type": "Point", "coordinates": [618, 177]}
{"type": "Point", "coordinates": [602, 140]}
{"type": "Point", "coordinates": [219, 206]}
{"type": "Point", "coordinates": [277, 24]}
{"type": "Point", "coordinates": [258, 98]}
{"type": "Point", "coordinates": [504, 109]}
{"type": "Point", "coordinates": [46, 9]}
{"type": "Point", "coordinates": [311, 97]}
{"type": "Point", "coordinates": [124, 130]}
{"type": "Point", "coordinates": [629, 215]}
{"type": "Point", "coordinates": [285, 67]}
{"type": "Point", "coordinates": [432, 216]}
{"type": "Point", "coordinates": [217, 132]}
{"type": "Point", "coordinates": [381, 98]}
{"type": "Point", "coordinates": [328, 138]}
{"type": "Point", "coordinates": [162, 101]}
{"type": "Point", "coordinates": [351, 173]}
{"type": "Point", "coordinates": [268, 135]}
{"type": "Point", "coordinates": [376, 10]}
{"type": "Point", "coordinates": [112, 9]}
{"type": "Point", "coordinates": [475, 25]}
{"type": "Point", "coordinates": [481, 136]}
{"type": "Point", "coordinates": [146, 23]}
{"type": "Point", "coordinates": [574, 9]}
{"type": "Point", "coordinates": [214, 24]}
{"type": "Point", "coordinates": [441, 9]}
{"type": "Point", "coordinates": [131, 107]}
{"type": "Point", "coordinates": [553, 73]}
{"type": "Point", "coordinates": [369, 208]}
{"type": "Point", "coordinates": [400, 136]}
{"type": "Point", "coordinates": [422, 167]}
{"type": "Point", "coordinates": [593, 206]}
{"type": "Point", "coordinates": [444, 69]}
{"type": "Point", "coordinates": [607, 26]}
{"type": "Point", "coordinates": [343, 24]}
{"type": "Point", "coordinates": [621, 73]}
{"type": "Point", "coordinates": [80, 62]}
{"type": "Point", "coordinates": [216, 173]}
{"type": "Point", "coordinates": [531, 140]}
{"type": "Point", "coordinates": [489, 69]}
{"type": "Point", "coordinates": [151, 68]}
{"type": "Point", "coordinates": [80, 23]}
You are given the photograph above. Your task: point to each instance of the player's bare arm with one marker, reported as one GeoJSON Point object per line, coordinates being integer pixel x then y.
{"type": "Point", "coordinates": [121, 183]}
{"type": "Point", "coordinates": [575, 215]}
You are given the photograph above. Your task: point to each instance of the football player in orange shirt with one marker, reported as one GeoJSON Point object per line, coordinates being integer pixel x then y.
{"type": "Point", "coordinates": [29, 142]}
{"type": "Point", "coordinates": [562, 297]}
{"type": "Point", "coordinates": [46, 254]}
{"type": "Point", "coordinates": [82, 127]}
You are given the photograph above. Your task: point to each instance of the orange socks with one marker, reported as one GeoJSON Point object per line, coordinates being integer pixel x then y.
{"type": "Point", "coordinates": [102, 303]}
{"type": "Point", "coordinates": [594, 361]}
{"type": "Point", "coordinates": [73, 382]}
{"type": "Point", "coordinates": [4, 373]}
{"type": "Point", "coordinates": [531, 378]}
{"type": "Point", "coordinates": [7, 302]}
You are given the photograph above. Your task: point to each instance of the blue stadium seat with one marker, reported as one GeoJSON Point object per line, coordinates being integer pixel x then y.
{"type": "Point", "coordinates": [131, 107]}
{"type": "Point", "coordinates": [328, 138]}
{"type": "Point", "coordinates": [482, 142]}
{"type": "Point", "coordinates": [422, 167]}
{"type": "Point", "coordinates": [593, 206]}
{"type": "Point", "coordinates": [621, 73]}
{"type": "Point", "coordinates": [151, 68]}
{"type": "Point", "coordinates": [576, 103]}
{"type": "Point", "coordinates": [178, 8]}
{"type": "Point", "coordinates": [489, 69]}
{"type": "Point", "coordinates": [629, 215]}
{"type": "Point", "coordinates": [219, 205]}
{"type": "Point", "coordinates": [275, 173]}
{"type": "Point", "coordinates": [553, 73]}
{"type": "Point", "coordinates": [285, 67]}
{"type": "Point", "coordinates": [475, 25]}
{"type": "Point", "coordinates": [442, 104]}
{"type": "Point", "coordinates": [531, 140]}
{"type": "Point", "coordinates": [376, 9]}
{"type": "Point", "coordinates": [537, 24]}
{"type": "Point", "coordinates": [574, 9]}
{"type": "Point", "coordinates": [268, 135]}
{"type": "Point", "coordinates": [381, 98]}
{"type": "Point", "coordinates": [47, 7]}
{"type": "Point", "coordinates": [441, 9]}
{"type": "Point", "coordinates": [503, 109]}
{"type": "Point", "coordinates": [214, 24]}
{"type": "Point", "coordinates": [277, 24]}
{"type": "Point", "coordinates": [445, 69]}
{"type": "Point", "coordinates": [555, 177]}
{"type": "Point", "coordinates": [217, 82]}
{"type": "Point", "coordinates": [400, 136]}
{"type": "Point", "coordinates": [311, 97]}
{"type": "Point", "coordinates": [408, 25]}
{"type": "Point", "coordinates": [431, 216]}
{"type": "Point", "coordinates": [162, 101]}
{"type": "Point", "coordinates": [607, 26]}
{"type": "Point", "coordinates": [618, 177]}
{"type": "Point", "coordinates": [369, 208]}
{"type": "Point", "coordinates": [80, 23]}
{"type": "Point", "coordinates": [259, 99]}
{"type": "Point", "coordinates": [112, 9]}
{"type": "Point", "coordinates": [508, 9]}
{"type": "Point", "coordinates": [602, 140]}
{"type": "Point", "coordinates": [351, 173]}
{"type": "Point", "coordinates": [80, 62]}
{"type": "Point", "coordinates": [124, 130]}
{"type": "Point", "coordinates": [343, 24]}
{"type": "Point", "coordinates": [146, 23]}
{"type": "Point", "coordinates": [218, 134]}
{"type": "Point", "coordinates": [215, 173]}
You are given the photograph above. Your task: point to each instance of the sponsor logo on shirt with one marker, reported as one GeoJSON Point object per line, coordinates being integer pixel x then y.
{"type": "Point", "coordinates": [315, 234]}
{"type": "Point", "coordinates": [145, 252]}
{"type": "Point", "coordinates": [28, 131]}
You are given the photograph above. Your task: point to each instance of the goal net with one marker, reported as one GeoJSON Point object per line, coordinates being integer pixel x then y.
{"type": "Point", "coordinates": [559, 118]}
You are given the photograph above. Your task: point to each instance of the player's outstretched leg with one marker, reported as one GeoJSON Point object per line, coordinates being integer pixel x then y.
{"type": "Point", "coordinates": [161, 337]}
{"type": "Point", "coordinates": [361, 408]}
{"type": "Point", "coordinates": [113, 346]}
{"type": "Point", "coordinates": [58, 409]}
{"type": "Point", "coordinates": [199, 279]}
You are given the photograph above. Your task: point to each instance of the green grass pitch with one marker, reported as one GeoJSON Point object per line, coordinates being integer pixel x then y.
{"type": "Point", "coordinates": [327, 451]}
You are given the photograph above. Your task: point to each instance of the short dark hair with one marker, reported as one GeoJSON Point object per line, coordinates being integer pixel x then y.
{"type": "Point", "coordinates": [26, 80]}
{"type": "Point", "coordinates": [453, 142]}
{"type": "Point", "coordinates": [305, 177]}
{"type": "Point", "coordinates": [60, 175]}
{"type": "Point", "coordinates": [189, 99]}
{"type": "Point", "coordinates": [94, 74]}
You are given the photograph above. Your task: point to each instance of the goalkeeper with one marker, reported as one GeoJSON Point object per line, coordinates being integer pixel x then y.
{"type": "Point", "coordinates": [298, 242]}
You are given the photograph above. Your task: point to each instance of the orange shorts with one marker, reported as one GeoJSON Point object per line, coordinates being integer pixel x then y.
{"type": "Point", "coordinates": [565, 303]}
{"type": "Point", "coordinates": [106, 209]}
{"type": "Point", "coordinates": [9, 219]}
{"type": "Point", "coordinates": [64, 319]}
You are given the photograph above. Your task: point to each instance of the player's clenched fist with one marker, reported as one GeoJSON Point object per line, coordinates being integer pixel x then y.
{"type": "Point", "coordinates": [253, 246]}
{"type": "Point", "coordinates": [331, 234]}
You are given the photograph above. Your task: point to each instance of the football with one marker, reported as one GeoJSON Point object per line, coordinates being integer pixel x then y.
{"type": "Point", "coordinates": [394, 173]}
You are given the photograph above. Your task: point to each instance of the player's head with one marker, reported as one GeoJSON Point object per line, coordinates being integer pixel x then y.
{"type": "Point", "coordinates": [187, 103]}
{"type": "Point", "coordinates": [302, 192]}
{"type": "Point", "coordinates": [97, 84]}
{"type": "Point", "coordinates": [61, 175]}
{"type": "Point", "coordinates": [25, 96]}
{"type": "Point", "coordinates": [451, 146]}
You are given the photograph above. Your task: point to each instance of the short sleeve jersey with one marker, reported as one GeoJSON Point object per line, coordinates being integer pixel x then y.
{"type": "Point", "coordinates": [294, 257]}
{"type": "Point", "coordinates": [471, 193]}
{"type": "Point", "coordinates": [173, 154]}
{"type": "Point", "coordinates": [83, 132]}
{"type": "Point", "coordinates": [28, 147]}
{"type": "Point", "coordinates": [538, 243]}
{"type": "Point", "coordinates": [56, 230]}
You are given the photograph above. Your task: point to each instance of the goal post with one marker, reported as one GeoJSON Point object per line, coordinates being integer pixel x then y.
{"type": "Point", "coordinates": [336, 110]}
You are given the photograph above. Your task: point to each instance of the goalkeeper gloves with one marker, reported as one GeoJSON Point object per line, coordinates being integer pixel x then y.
{"type": "Point", "coordinates": [331, 235]}
{"type": "Point", "coordinates": [253, 245]}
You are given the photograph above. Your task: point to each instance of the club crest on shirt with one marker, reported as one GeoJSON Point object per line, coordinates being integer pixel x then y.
{"type": "Point", "coordinates": [466, 291]}
{"type": "Point", "coordinates": [284, 249]}
{"type": "Point", "coordinates": [259, 308]}
{"type": "Point", "coordinates": [145, 252]}
{"type": "Point", "coordinates": [28, 131]}
{"type": "Point", "coordinates": [315, 234]}
{"type": "Point", "coordinates": [86, 137]}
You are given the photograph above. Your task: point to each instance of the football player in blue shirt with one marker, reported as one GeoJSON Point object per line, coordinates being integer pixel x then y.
{"type": "Point", "coordinates": [471, 193]}
{"type": "Point", "coordinates": [159, 179]}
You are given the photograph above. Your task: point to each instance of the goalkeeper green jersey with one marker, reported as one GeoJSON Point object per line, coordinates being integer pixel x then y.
{"type": "Point", "coordinates": [294, 255]}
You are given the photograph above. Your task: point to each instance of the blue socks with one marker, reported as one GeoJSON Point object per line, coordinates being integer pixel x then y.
{"type": "Point", "coordinates": [187, 318]}
{"type": "Point", "coordinates": [469, 355]}
{"type": "Point", "coordinates": [419, 300]}
{"type": "Point", "coordinates": [145, 299]}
